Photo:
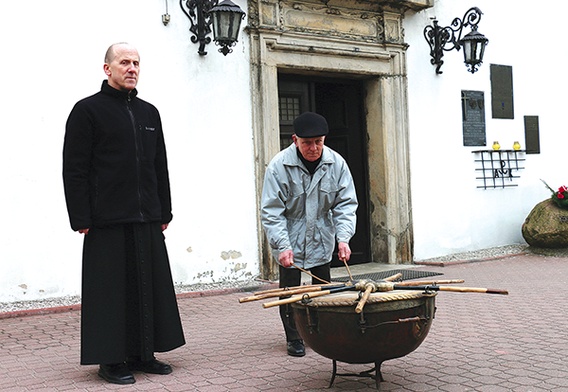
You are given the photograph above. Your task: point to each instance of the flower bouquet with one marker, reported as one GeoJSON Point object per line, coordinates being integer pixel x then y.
{"type": "Point", "coordinates": [560, 197]}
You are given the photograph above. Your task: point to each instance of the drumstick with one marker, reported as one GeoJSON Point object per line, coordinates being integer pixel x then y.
{"type": "Point", "coordinates": [285, 292]}
{"type": "Point", "coordinates": [432, 282]}
{"type": "Point", "coordinates": [472, 290]}
{"type": "Point", "coordinates": [368, 290]}
{"type": "Point", "coordinates": [309, 273]}
{"type": "Point", "coordinates": [294, 288]}
{"type": "Point", "coordinates": [348, 271]}
{"type": "Point", "coordinates": [296, 298]}
{"type": "Point", "coordinates": [388, 287]}
{"type": "Point", "coordinates": [393, 277]}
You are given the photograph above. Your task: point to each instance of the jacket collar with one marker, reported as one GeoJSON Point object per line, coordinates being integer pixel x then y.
{"type": "Point", "coordinates": [107, 89]}
{"type": "Point", "coordinates": [291, 157]}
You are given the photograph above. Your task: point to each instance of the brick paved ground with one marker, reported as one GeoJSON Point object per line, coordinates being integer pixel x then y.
{"type": "Point", "coordinates": [478, 342]}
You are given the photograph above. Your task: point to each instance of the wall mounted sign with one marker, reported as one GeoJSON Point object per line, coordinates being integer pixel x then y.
{"type": "Point", "coordinates": [502, 91]}
{"type": "Point", "coordinates": [532, 138]}
{"type": "Point", "coordinates": [473, 118]}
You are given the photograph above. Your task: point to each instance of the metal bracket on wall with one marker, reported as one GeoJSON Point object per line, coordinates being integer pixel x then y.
{"type": "Point", "coordinates": [496, 169]}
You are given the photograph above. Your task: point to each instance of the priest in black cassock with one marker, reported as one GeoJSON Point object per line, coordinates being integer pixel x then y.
{"type": "Point", "coordinates": [118, 196]}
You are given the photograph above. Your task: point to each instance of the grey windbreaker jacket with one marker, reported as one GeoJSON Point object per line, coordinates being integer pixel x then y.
{"type": "Point", "coordinates": [308, 213]}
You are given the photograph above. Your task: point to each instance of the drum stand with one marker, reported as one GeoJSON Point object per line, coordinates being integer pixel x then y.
{"type": "Point", "coordinates": [378, 377]}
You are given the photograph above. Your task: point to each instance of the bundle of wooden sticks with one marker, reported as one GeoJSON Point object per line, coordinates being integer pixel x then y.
{"type": "Point", "coordinates": [305, 292]}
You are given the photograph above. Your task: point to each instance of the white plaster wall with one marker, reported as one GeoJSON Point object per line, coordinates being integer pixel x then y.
{"type": "Point", "coordinates": [450, 215]}
{"type": "Point", "coordinates": [53, 56]}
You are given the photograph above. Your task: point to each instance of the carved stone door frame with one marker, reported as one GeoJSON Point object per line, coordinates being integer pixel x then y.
{"type": "Point", "coordinates": [354, 40]}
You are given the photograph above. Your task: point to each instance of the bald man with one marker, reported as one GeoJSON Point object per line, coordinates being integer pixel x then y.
{"type": "Point", "coordinates": [117, 191]}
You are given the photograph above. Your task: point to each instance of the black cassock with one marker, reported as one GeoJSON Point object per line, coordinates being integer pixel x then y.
{"type": "Point", "coordinates": [129, 306]}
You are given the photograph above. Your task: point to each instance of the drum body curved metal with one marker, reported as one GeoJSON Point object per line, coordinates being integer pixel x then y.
{"type": "Point", "coordinates": [391, 325]}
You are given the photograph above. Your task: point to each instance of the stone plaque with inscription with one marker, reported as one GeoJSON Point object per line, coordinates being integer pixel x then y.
{"type": "Point", "coordinates": [473, 118]}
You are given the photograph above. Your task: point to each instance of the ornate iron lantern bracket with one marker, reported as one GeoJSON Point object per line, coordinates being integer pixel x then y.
{"type": "Point", "coordinates": [198, 14]}
{"type": "Point", "coordinates": [449, 38]}
{"type": "Point", "coordinates": [202, 14]}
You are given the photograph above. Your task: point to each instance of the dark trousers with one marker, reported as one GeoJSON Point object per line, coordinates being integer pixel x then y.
{"type": "Point", "coordinates": [290, 277]}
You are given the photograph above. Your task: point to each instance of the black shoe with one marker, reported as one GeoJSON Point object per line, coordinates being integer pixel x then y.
{"type": "Point", "coordinates": [116, 373]}
{"type": "Point", "coordinates": [296, 348]}
{"type": "Point", "coordinates": [152, 366]}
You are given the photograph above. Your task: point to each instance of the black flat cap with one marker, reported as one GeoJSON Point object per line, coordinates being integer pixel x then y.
{"type": "Point", "coordinates": [310, 124]}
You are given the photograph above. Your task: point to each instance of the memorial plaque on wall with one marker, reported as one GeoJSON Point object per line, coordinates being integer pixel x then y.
{"type": "Point", "coordinates": [532, 138]}
{"type": "Point", "coordinates": [473, 118]}
{"type": "Point", "coordinates": [502, 91]}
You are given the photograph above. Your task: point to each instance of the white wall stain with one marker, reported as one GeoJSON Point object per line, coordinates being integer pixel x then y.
{"type": "Point", "coordinates": [231, 254]}
{"type": "Point", "coordinates": [205, 274]}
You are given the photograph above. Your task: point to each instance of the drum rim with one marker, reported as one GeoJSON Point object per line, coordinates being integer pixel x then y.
{"type": "Point", "coordinates": [350, 300]}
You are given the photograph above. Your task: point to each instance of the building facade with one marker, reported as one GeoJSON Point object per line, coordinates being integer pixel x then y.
{"type": "Point", "coordinates": [365, 65]}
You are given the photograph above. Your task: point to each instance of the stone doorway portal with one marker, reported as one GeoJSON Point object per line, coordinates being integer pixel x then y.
{"type": "Point", "coordinates": [357, 41]}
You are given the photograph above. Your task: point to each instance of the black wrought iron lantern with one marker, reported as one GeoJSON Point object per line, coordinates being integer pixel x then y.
{"type": "Point", "coordinates": [226, 18]}
{"type": "Point", "coordinates": [473, 49]}
{"type": "Point", "coordinates": [449, 38]}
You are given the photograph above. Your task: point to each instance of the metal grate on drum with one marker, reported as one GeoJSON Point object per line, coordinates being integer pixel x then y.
{"type": "Point", "coordinates": [407, 274]}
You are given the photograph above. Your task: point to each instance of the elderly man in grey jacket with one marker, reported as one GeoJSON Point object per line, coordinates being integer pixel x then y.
{"type": "Point", "coordinates": [308, 202]}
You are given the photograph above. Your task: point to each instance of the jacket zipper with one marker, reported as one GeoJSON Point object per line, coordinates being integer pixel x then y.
{"type": "Point", "coordinates": [133, 121]}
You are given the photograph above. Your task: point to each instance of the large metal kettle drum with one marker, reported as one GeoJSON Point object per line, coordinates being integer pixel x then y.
{"type": "Point", "coordinates": [392, 325]}
{"type": "Point", "coordinates": [366, 321]}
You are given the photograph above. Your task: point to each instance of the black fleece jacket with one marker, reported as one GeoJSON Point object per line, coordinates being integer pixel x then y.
{"type": "Point", "coordinates": [114, 161]}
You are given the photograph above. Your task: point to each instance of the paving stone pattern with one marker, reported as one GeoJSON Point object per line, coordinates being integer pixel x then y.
{"type": "Point", "coordinates": [478, 342]}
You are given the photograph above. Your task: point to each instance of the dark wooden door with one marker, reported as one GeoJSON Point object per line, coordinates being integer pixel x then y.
{"type": "Point", "coordinates": [341, 103]}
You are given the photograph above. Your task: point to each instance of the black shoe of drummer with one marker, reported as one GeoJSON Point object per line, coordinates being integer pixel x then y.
{"type": "Point", "coordinates": [296, 348]}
